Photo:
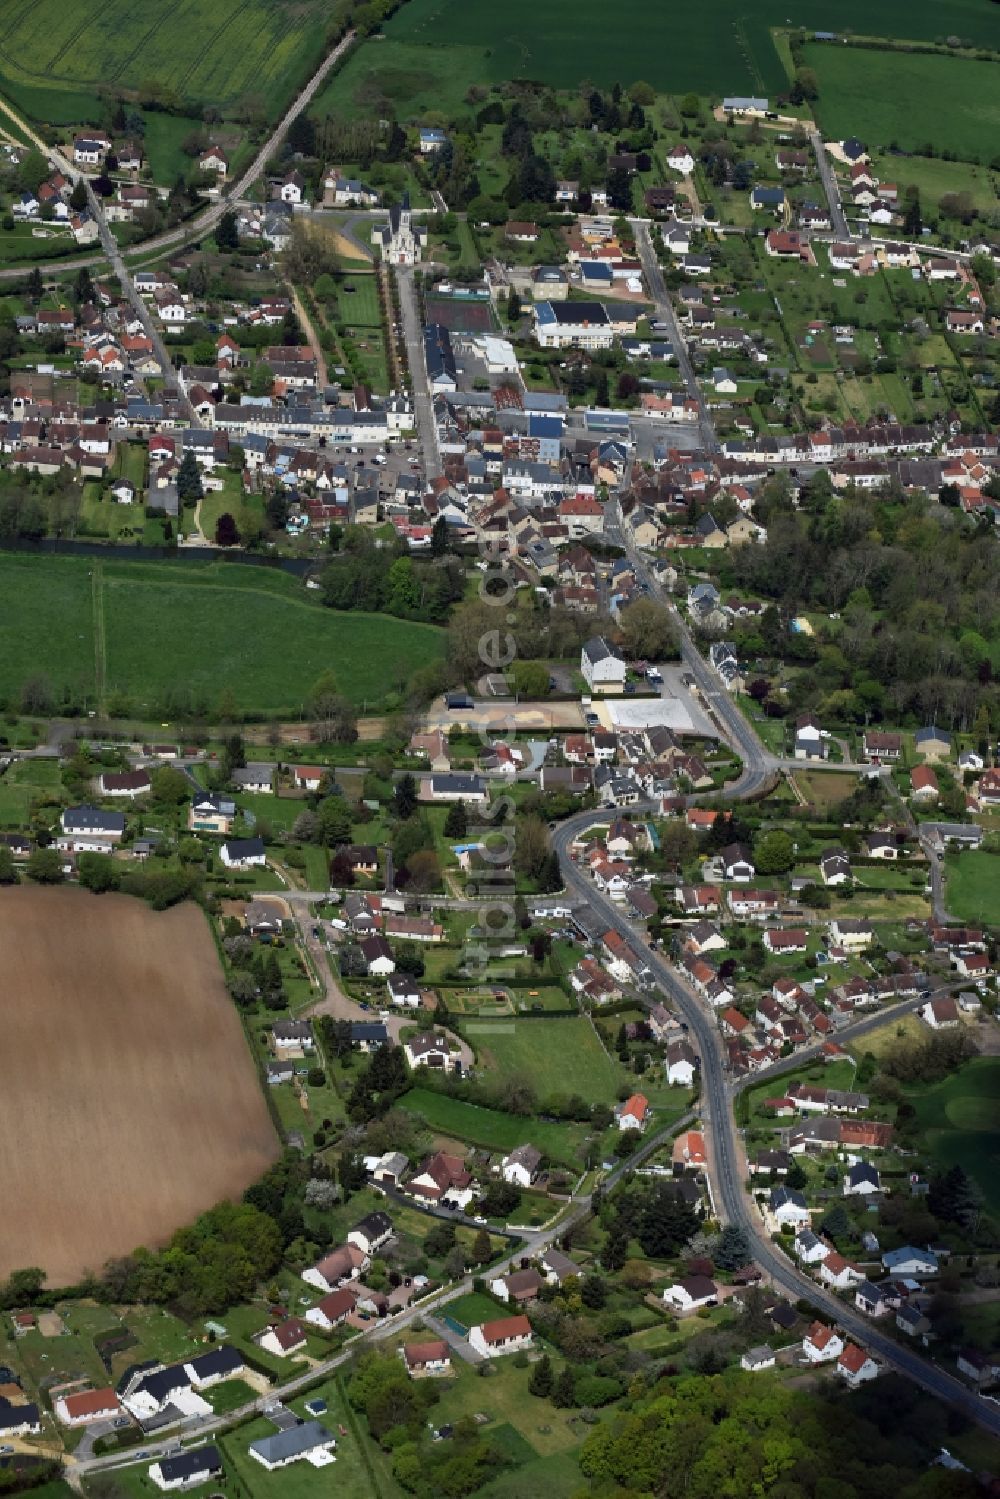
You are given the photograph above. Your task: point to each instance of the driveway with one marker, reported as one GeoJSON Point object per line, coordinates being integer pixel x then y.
{"type": "Point", "coordinates": [458, 1345]}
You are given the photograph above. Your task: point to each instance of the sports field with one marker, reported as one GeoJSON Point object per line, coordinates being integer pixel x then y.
{"type": "Point", "coordinates": [57, 56]}
{"type": "Point", "coordinates": [960, 1124]}
{"type": "Point", "coordinates": [436, 49]}
{"type": "Point", "coordinates": [972, 886]}
{"type": "Point", "coordinates": [130, 1102]}
{"type": "Point", "coordinates": [871, 94]}
{"type": "Point", "coordinates": [161, 633]}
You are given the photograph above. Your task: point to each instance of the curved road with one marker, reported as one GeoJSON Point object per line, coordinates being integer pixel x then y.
{"type": "Point", "coordinates": [727, 1162]}
{"type": "Point", "coordinates": [531, 1245]}
{"type": "Point", "coordinates": [208, 217]}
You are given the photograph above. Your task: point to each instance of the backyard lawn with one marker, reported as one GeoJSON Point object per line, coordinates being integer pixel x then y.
{"type": "Point", "coordinates": [562, 1143]}
{"type": "Point", "coordinates": [562, 1055]}
{"type": "Point", "coordinates": [959, 1124]}
{"type": "Point", "coordinates": [973, 886]}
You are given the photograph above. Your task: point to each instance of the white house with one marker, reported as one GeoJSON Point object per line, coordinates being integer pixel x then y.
{"type": "Point", "coordinates": [403, 991]}
{"type": "Point", "coordinates": [284, 1338]}
{"type": "Point", "coordinates": [809, 1248]}
{"type": "Point", "coordinates": [633, 1113]}
{"type": "Point", "coordinates": [187, 1469]}
{"type": "Point", "coordinates": [682, 1064]}
{"type": "Point", "coordinates": [429, 1049]}
{"type": "Point", "coordinates": [86, 1407]}
{"type": "Point", "coordinates": [602, 668]}
{"type": "Point", "coordinates": [371, 1232]}
{"type": "Point", "coordinates": [861, 1180]}
{"type": "Point", "coordinates": [855, 1366]}
{"type": "Point", "coordinates": [505, 1335]}
{"type": "Point", "coordinates": [839, 1273]}
{"type": "Point", "coordinates": [692, 1292]}
{"type": "Point", "coordinates": [520, 1168]}
{"type": "Point", "coordinates": [343, 1264]}
{"type": "Point", "coordinates": [822, 1344]}
{"type": "Point", "coordinates": [789, 1207]}
{"type": "Point", "coordinates": [582, 325]}
{"type": "Point", "coordinates": [332, 1309]}
{"type": "Point", "coordinates": [679, 159]}
{"type": "Point", "coordinates": [378, 957]}
{"type": "Point", "coordinates": [757, 1359]}
{"type": "Point", "coordinates": [87, 829]}
{"type": "Point", "coordinates": [910, 1261]}
{"type": "Point", "coordinates": [243, 853]}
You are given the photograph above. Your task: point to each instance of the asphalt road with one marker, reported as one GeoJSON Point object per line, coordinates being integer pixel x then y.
{"type": "Point", "coordinates": [727, 1166]}
{"type": "Point", "coordinates": [830, 188]}
{"type": "Point", "coordinates": [423, 401]}
{"type": "Point", "coordinates": [665, 312]}
{"type": "Point", "coordinates": [530, 1246]}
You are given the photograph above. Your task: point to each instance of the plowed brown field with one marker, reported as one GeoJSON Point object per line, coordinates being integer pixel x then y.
{"type": "Point", "coordinates": [129, 1101]}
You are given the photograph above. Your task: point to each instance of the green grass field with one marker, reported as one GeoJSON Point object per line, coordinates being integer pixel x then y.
{"type": "Point", "coordinates": [160, 632]}
{"type": "Point", "coordinates": [435, 49]}
{"type": "Point", "coordinates": [973, 886]}
{"type": "Point", "coordinates": [493, 1130]}
{"type": "Point", "coordinates": [959, 1124]}
{"type": "Point", "coordinates": [871, 94]}
{"type": "Point", "coordinates": [561, 1055]}
{"type": "Point", "coordinates": [56, 57]}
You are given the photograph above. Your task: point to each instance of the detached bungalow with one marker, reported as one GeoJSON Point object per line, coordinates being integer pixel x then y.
{"type": "Point", "coordinates": [505, 1335]}
{"type": "Point", "coordinates": [692, 1292]}
{"type": "Point", "coordinates": [426, 1358]}
{"type": "Point", "coordinates": [243, 853]}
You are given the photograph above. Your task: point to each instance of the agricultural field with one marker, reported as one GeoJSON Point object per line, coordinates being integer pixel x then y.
{"type": "Point", "coordinates": [107, 1008]}
{"type": "Point", "coordinates": [958, 1124]}
{"type": "Point", "coordinates": [56, 61]}
{"type": "Point", "coordinates": [871, 94]}
{"type": "Point", "coordinates": [435, 50]}
{"type": "Point", "coordinates": [562, 1143]}
{"type": "Point", "coordinates": [561, 1055]}
{"type": "Point", "coordinates": [159, 632]}
{"type": "Point", "coordinates": [973, 886]}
